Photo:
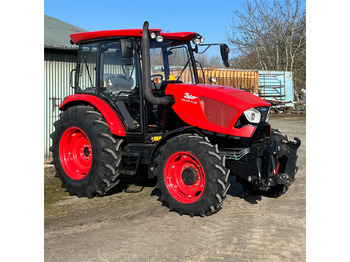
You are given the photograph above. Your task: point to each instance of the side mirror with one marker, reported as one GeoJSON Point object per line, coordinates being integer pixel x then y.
{"type": "Point", "coordinates": [224, 50]}
{"type": "Point", "coordinates": [126, 50]}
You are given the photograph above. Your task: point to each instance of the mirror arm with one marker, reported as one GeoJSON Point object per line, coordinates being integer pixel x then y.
{"type": "Point", "coordinates": [224, 50]}
{"type": "Point", "coordinates": [208, 45]}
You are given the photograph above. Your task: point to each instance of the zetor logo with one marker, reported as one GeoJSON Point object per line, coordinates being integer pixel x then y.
{"type": "Point", "coordinates": [188, 96]}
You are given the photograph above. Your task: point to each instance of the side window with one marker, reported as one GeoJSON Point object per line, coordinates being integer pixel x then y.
{"type": "Point", "coordinates": [116, 75]}
{"type": "Point", "coordinates": [180, 64]}
{"type": "Point", "coordinates": [87, 68]}
{"type": "Point", "coordinates": [157, 62]}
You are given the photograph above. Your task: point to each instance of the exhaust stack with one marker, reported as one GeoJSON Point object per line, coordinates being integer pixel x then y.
{"type": "Point", "coordinates": [146, 70]}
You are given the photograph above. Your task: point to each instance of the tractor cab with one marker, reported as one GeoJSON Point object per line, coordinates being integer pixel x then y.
{"type": "Point", "coordinates": [111, 64]}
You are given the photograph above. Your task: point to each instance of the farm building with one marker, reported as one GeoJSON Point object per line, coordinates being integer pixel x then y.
{"type": "Point", "coordinates": [60, 58]}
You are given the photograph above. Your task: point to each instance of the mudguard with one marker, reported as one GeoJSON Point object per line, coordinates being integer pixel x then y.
{"type": "Point", "coordinates": [108, 113]}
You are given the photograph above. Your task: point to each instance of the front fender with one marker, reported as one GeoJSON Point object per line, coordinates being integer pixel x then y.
{"type": "Point", "coordinates": [108, 113]}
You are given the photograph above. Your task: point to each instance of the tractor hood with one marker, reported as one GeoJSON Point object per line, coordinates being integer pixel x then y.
{"type": "Point", "coordinates": [234, 97]}
{"type": "Point", "coordinates": [212, 107]}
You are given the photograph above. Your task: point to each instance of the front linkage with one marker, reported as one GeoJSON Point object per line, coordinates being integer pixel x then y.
{"type": "Point", "coordinates": [268, 166]}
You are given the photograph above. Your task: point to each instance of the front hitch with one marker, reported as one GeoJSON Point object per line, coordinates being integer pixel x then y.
{"type": "Point", "coordinates": [267, 164]}
{"type": "Point", "coordinates": [287, 157]}
{"type": "Point", "coordinates": [275, 161]}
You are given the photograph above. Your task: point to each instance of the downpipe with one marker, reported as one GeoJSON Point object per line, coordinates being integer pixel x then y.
{"type": "Point", "coordinates": [146, 70]}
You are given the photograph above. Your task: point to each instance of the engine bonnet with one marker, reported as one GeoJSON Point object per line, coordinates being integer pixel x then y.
{"type": "Point", "coordinates": [234, 97]}
{"type": "Point", "coordinates": [214, 108]}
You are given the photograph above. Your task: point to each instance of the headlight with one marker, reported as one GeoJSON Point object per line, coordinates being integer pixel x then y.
{"type": "Point", "coordinates": [198, 39]}
{"type": "Point", "coordinates": [253, 115]}
{"type": "Point", "coordinates": [153, 35]}
{"type": "Point", "coordinates": [159, 38]}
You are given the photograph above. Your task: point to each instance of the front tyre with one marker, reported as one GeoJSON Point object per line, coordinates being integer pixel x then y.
{"type": "Point", "coordinates": [85, 153]}
{"type": "Point", "coordinates": [191, 175]}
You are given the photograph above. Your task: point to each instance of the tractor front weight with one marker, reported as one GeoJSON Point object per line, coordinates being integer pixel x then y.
{"type": "Point", "coordinates": [265, 165]}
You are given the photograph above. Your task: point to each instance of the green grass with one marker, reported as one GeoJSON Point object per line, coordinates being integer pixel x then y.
{"type": "Point", "coordinates": [52, 188]}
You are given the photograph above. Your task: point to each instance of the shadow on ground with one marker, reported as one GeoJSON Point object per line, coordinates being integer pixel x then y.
{"type": "Point", "coordinates": [136, 184]}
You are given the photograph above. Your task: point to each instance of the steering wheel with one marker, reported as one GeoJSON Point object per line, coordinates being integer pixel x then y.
{"type": "Point", "coordinates": [157, 75]}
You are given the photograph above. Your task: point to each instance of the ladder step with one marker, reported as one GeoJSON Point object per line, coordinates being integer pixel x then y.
{"type": "Point", "coordinates": [130, 163]}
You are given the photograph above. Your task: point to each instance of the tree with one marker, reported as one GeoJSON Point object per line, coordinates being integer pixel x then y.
{"type": "Point", "coordinates": [270, 36]}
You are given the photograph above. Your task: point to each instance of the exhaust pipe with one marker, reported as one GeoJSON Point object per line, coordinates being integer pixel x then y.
{"type": "Point", "coordinates": [146, 70]}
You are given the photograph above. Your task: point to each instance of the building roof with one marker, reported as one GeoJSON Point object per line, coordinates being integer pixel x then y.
{"type": "Point", "coordinates": [56, 33]}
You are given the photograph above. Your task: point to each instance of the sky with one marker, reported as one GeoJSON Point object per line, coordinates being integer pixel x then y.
{"type": "Point", "coordinates": [209, 18]}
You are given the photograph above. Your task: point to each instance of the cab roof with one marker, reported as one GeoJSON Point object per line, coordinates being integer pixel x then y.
{"type": "Point", "coordinates": [88, 36]}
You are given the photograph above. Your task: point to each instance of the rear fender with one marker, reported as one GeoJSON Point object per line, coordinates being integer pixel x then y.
{"type": "Point", "coordinates": [108, 113]}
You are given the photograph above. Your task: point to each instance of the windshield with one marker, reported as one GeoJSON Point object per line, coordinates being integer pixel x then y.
{"type": "Point", "coordinates": [171, 60]}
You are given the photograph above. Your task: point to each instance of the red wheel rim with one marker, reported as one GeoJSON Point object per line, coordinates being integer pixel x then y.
{"type": "Point", "coordinates": [184, 177]}
{"type": "Point", "coordinates": [75, 153]}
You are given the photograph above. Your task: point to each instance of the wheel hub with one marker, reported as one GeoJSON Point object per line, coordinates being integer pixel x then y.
{"type": "Point", "coordinates": [85, 151]}
{"type": "Point", "coordinates": [189, 176]}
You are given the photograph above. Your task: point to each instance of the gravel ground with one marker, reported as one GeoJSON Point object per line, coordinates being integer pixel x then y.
{"type": "Point", "coordinates": [132, 225]}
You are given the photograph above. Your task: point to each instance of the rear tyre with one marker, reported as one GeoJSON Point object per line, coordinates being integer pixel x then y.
{"type": "Point", "coordinates": [191, 176]}
{"type": "Point", "coordinates": [85, 153]}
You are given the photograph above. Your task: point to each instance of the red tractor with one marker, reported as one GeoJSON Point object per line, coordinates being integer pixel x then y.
{"type": "Point", "coordinates": [138, 102]}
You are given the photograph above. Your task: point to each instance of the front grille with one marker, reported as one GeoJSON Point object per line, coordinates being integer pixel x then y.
{"type": "Point", "coordinates": [264, 111]}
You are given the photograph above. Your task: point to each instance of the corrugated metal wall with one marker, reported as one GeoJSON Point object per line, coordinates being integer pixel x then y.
{"type": "Point", "coordinates": [57, 67]}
